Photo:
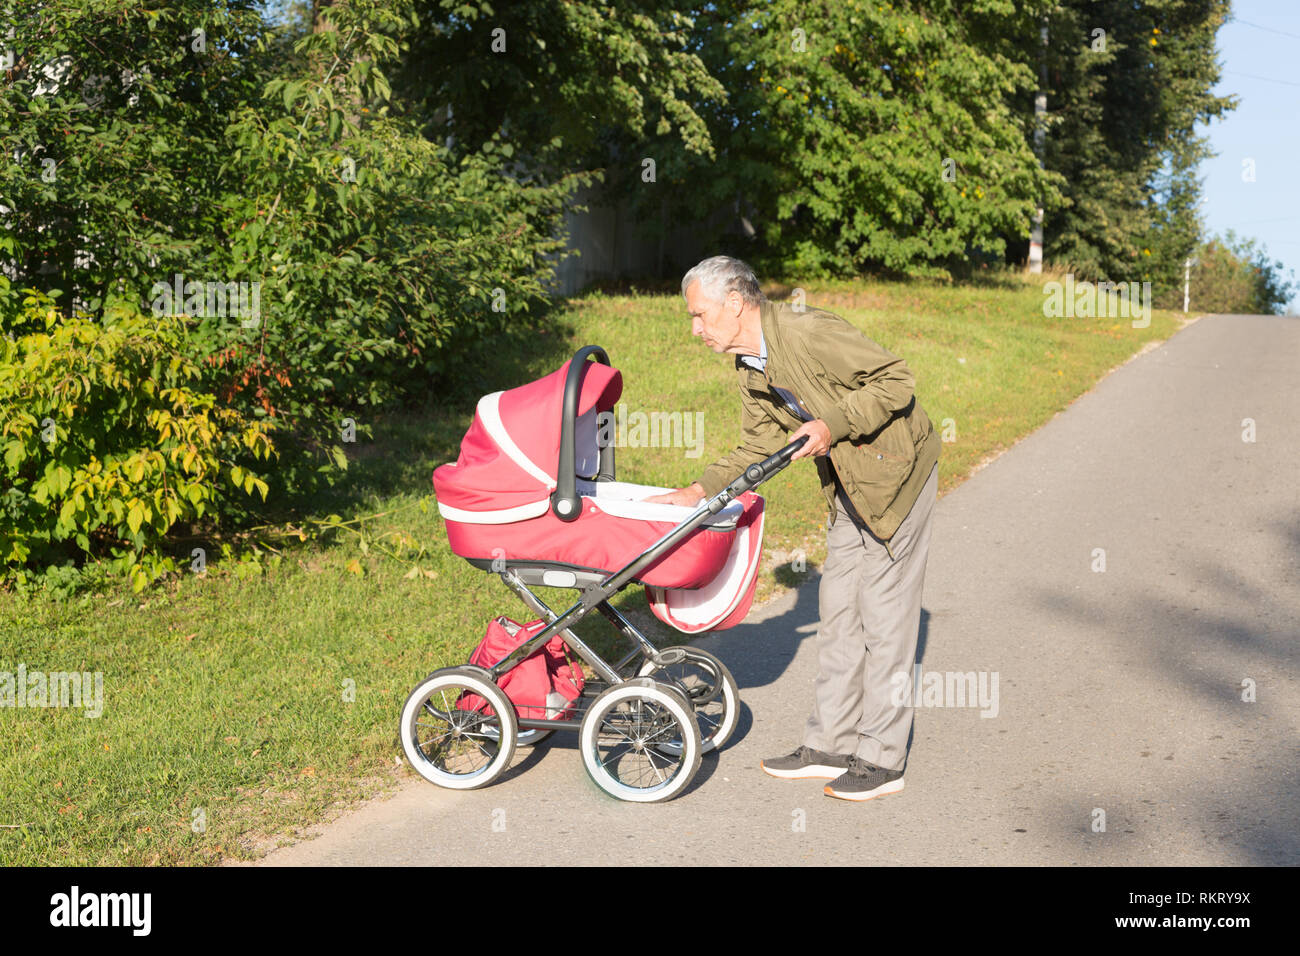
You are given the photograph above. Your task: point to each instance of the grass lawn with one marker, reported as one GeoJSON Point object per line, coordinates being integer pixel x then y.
{"type": "Point", "coordinates": [239, 709]}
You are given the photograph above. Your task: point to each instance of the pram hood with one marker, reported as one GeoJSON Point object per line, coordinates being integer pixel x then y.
{"type": "Point", "coordinates": [507, 464]}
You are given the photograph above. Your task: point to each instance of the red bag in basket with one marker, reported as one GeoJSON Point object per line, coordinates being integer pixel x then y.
{"type": "Point", "coordinates": [543, 686]}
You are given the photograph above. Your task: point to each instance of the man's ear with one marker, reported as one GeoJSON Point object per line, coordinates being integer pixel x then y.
{"type": "Point", "coordinates": [735, 302]}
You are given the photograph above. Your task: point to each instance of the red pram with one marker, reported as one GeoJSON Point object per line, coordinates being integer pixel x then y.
{"type": "Point", "coordinates": [533, 499]}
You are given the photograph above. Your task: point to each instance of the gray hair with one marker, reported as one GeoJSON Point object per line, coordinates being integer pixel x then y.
{"type": "Point", "coordinates": [722, 275]}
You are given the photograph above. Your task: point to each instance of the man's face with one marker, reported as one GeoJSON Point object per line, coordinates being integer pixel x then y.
{"type": "Point", "coordinates": [716, 323]}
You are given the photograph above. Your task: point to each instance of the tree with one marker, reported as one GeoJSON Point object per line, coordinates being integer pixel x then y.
{"type": "Point", "coordinates": [113, 114]}
{"type": "Point", "coordinates": [554, 79]}
{"type": "Point", "coordinates": [1128, 82]}
{"type": "Point", "coordinates": [1235, 275]}
{"type": "Point", "coordinates": [192, 146]}
{"type": "Point", "coordinates": [854, 137]}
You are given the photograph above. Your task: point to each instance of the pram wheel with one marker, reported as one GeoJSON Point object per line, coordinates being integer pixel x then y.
{"type": "Point", "coordinates": [640, 742]}
{"type": "Point", "coordinates": [459, 729]}
{"type": "Point", "coordinates": [708, 686]}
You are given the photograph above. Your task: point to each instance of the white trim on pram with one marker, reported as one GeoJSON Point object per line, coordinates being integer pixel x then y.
{"type": "Point", "coordinates": [489, 412]}
{"type": "Point", "coordinates": [534, 509]}
{"type": "Point", "coordinates": [618, 499]}
{"type": "Point", "coordinates": [700, 609]}
{"type": "Point", "coordinates": [624, 499]}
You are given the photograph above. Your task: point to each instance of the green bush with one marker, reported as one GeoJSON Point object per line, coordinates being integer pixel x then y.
{"type": "Point", "coordinates": [106, 447]}
{"type": "Point", "coordinates": [243, 155]}
{"type": "Point", "coordinates": [1235, 275]}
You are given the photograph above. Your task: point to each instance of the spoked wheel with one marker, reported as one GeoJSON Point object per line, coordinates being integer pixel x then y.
{"type": "Point", "coordinates": [640, 742]}
{"type": "Point", "coordinates": [458, 728]}
{"type": "Point", "coordinates": [708, 686]}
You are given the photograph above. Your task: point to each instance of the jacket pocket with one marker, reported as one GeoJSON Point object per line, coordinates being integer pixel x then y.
{"type": "Point", "coordinates": [895, 443]}
{"type": "Point", "coordinates": [873, 472]}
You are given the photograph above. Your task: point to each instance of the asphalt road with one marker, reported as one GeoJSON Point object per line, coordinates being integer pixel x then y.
{"type": "Point", "coordinates": [1119, 691]}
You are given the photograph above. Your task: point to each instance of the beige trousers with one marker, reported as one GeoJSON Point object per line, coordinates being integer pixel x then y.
{"type": "Point", "coordinates": [870, 619]}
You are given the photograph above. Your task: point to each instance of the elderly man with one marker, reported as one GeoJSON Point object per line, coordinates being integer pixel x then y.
{"type": "Point", "coordinates": [808, 372]}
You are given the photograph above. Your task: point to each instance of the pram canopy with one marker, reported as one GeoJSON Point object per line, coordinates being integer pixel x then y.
{"type": "Point", "coordinates": [534, 484]}
{"type": "Point", "coordinates": [509, 459]}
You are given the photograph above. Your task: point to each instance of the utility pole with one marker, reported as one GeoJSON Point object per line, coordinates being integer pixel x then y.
{"type": "Point", "coordinates": [1187, 280]}
{"type": "Point", "coordinates": [1040, 139]}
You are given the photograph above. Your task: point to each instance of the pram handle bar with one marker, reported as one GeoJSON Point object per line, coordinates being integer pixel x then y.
{"type": "Point", "coordinates": [769, 466]}
{"type": "Point", "coordinates": [564, 500]}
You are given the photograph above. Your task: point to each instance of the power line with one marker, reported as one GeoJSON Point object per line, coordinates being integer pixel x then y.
{"type": "Point", "coordinates": [1266, 79]}
{"type": "Point", "coordinates": [1252, 222]}
{"type": "Point", "coordinates": [1281, 33]}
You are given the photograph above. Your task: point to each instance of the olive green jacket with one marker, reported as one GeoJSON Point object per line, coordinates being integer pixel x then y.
{"type": "Point", "coordinates": [883, 446]}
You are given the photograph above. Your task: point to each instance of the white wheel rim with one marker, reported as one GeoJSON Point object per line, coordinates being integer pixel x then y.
{"type": "Point", "coordinates": [684, 764]}
{"type": "Point", "coordinates": [726, 724]}
{"type": "Point", "coordinates": [421, 762]}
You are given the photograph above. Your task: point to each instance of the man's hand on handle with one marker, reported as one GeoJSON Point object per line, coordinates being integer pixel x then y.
{"type": "Point", "coordinates": [819, 439]}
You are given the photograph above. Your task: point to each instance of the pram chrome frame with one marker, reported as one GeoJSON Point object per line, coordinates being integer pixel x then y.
{"type": "Point", "coordinates": [596, 587]}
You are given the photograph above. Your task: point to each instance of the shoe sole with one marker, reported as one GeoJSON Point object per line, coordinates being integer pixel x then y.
{"type": "Point", "coordinates": [894, 786]}
{"type": "Point", "coordinates": [815, 771]}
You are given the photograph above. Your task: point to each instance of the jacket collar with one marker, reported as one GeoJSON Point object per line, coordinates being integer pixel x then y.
{"type": "Point", "coordinates": [769, 326]}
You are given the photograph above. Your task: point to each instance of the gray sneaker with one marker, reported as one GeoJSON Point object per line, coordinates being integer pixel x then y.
{"type": "Point", "coordinates": [863, 781]}
{"type": "Point", "coordinates": [806, 762]}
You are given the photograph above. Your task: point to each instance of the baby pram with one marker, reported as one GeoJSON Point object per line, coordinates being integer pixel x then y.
{"type": "Point", "coordinates": [533, 498]}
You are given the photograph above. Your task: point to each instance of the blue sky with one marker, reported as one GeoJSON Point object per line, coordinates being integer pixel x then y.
{"type": "Point", "coordinates": [1259, 50]}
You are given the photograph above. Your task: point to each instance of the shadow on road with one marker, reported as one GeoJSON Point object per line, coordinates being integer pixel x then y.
{"type": "Point", "coordinates": [1206, 651]}
{"type": "Point", "coordinates": [760, 652]}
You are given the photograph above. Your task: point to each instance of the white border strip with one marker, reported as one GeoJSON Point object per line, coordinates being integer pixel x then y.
{"type": "Point", "coordinates": [503, 516]}
{"type": "Point", "coordinates": [687, 610]}
{"type": "Point", "coordinates": [490, 412]}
